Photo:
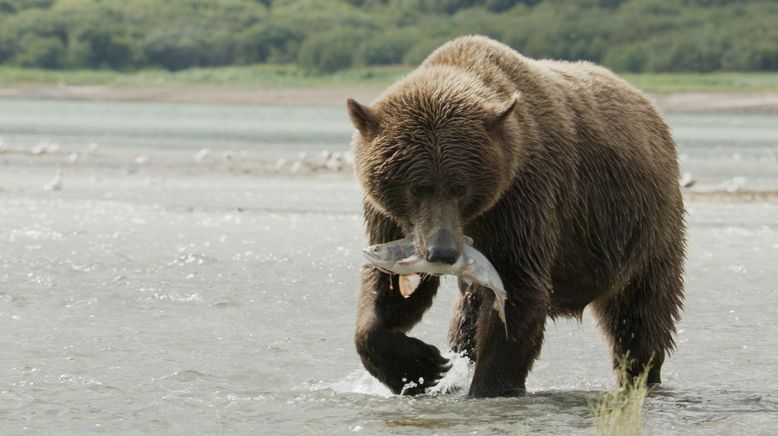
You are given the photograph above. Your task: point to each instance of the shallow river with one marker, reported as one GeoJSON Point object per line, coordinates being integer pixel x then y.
{"type": "Point", "coordinates": [156, 302]}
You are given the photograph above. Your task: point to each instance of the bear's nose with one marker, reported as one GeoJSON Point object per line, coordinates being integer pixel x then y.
{"type": "Point", "coordinates": [442, 248]}
{"type": "Point", "coordinates": [446, 255]}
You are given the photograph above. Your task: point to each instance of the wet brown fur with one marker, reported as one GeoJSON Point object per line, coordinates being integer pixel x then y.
{"type": "Point", "coordinates": [566, 178]}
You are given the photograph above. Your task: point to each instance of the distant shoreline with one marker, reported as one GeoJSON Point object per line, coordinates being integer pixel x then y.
{"type": "Point", "coordinates": [674, 102]}
{"type": "Point", "coordinates": [721, 92]}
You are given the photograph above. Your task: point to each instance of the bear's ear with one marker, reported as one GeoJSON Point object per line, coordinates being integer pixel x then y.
{"type": "Point", "coordinates": [501, 114]}
{"type": "Point", "coordinates": [366, 120]}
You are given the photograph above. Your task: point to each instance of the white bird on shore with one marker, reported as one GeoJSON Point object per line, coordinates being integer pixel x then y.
{"type": "Point", "coordinates": [734, 184]}
{"type": "Point", "coordinates": [202, 155]}
{"type": "Point", "coordinates": [54, 184]}
{"type": "Point", "coordinates": [52, 147]}
{"type": "Point", "coordinates": [334, 162]}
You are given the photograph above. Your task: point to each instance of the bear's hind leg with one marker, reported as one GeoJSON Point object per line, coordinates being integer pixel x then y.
{"type": "Point", "coordinates": [640, 320]}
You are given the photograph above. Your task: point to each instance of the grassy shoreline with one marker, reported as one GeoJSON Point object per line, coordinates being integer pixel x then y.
{"type": "Point", "coordinates": [288, 76]}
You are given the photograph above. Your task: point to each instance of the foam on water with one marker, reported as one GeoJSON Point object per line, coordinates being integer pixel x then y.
{"type": "Point", "coordinates": [458, 378]}
{"type": "Point", "coordinates": [359, 381]}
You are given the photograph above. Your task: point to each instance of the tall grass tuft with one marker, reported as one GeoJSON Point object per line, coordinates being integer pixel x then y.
{"type": "Point", "coordinates": [620, 412]}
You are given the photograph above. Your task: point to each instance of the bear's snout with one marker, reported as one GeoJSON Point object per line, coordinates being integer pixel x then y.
{"type": "Point", "coordinates": [438, 231]}
{"type": "Point", "coordinates": [442, 248]}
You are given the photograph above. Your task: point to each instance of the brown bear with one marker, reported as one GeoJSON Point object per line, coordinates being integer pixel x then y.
{"type": "Point", "coordinates": [566, 178]}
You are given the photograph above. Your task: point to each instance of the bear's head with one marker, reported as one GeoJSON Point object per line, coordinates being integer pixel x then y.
{"type": "Point", "coordinates": [435, 152]}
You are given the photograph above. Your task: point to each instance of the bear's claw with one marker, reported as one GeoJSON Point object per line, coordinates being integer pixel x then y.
{"type": "Point", "coordinates": [404, 364]}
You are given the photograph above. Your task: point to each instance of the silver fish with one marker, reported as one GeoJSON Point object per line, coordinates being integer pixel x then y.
{"type": "Point", "coordinates": [401, 257]}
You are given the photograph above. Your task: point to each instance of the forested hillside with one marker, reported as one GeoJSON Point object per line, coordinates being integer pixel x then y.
{"type": "Point", "coordinates": [327, 35]}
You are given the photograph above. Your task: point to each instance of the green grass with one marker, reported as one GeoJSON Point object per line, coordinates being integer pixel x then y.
{"type": "Point", "coordinates": [365, 77]}
{"type": "Point", "coordinates": [713, 82]}
{"type": "Point", "coordinates": [620, 412]}
{"type": "Point", "coordinates": [257, 75]}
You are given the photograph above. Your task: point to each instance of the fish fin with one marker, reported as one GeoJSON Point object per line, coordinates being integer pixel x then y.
{"type": "Point", "coordinates": [409, 284]}
{"type": "Point", "coordinates": [414, 280]}
{"type": "Point", "coordinates": [404, 287]}
{"type": "Point", "coordinates": [407, 261]}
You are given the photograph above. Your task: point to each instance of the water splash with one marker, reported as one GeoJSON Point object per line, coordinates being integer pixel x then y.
{"type": "Point", "coordinates": [359, 381]}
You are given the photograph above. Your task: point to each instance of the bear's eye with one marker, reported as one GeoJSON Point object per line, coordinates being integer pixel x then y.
{"type": "Point", "coordinates": [458, 190]}
{"type": "Point", "coordinates": [421, 191]}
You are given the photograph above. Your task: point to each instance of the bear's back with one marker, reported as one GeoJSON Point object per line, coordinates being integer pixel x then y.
{"type": "Point", "coordinates": [577, 99]}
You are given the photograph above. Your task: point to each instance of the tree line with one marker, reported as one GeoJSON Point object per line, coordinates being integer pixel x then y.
{"type": "Point", "coordinates": [325, 36]}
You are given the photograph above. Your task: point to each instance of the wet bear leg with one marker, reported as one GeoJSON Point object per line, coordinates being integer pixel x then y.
{"type": "Point", "coordinates": [503, 362]}
{"type": "Point", "coordinates": [404, 364]}
{"type": "Point", "coordinates": [462, 329]}
{"type": "Point", "coordinates": [640, 321]}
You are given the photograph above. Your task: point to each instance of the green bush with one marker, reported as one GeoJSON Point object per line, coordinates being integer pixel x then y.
{"type": "Point", "coordinates": [630, 58]}
{"type": "Point", "coordinates": [384, 49]}
{"type": "Point", "coordinates": [13, 6]}
{"type": "Point", "coordinates": [752, 56]}
{"type": "Point", "coordinates": [419, 51]}
{"type": "Point", "coordinates": [331, 51]}
{"type": "Point", "coordinates": [176, 49]}
{"type": "Point", "coordinates": [269, 42]}
{"type": "Point", "coordinates": [102, 48]}
{"type": "Point", "coordinates": [41, 52]}
{"type": "Point", "coordinates": [699, 51]}
{"type": "Point", "coordinates": [627, 35]}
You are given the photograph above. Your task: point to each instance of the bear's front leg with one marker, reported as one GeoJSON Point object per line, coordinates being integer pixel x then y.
{"type": "Point", "coordinates": [406, 365]}
{"type": "Point", "coordinates": [502, 363]}
{"type": "Point", "coordinates": [462, 328]}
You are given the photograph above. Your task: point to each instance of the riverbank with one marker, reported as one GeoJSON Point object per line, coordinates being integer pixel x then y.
{"type": "Point", "coordinates": [53, 169]}
{"type": "Point", "coordinates": [288, 85]}
{"type": "Point", "coordinates": [703, 102]}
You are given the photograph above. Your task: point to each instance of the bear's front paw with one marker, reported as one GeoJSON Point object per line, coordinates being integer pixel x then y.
{"type": "Point", "coordinates": [405, 365]}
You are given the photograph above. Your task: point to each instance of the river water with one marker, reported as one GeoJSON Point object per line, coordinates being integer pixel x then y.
{"type": "Point", "coordinates": [186, 298]}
